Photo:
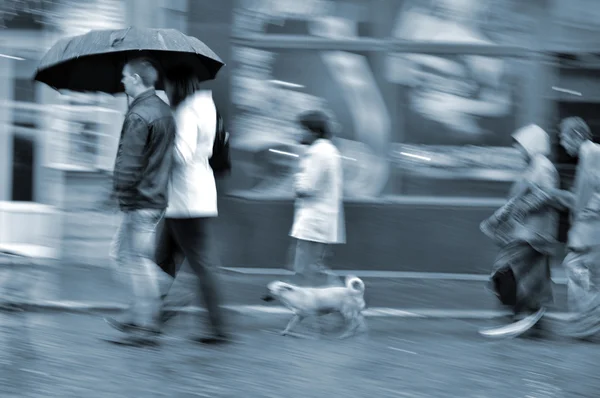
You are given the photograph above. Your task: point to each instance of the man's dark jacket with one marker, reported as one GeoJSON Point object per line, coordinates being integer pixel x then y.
{"type": "Point", "coordinates": [145, 154]}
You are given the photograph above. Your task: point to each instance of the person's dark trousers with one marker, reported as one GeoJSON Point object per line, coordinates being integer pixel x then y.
{"type": "Point", "coordinates": [170, 260]}
{"type": "Point", "coordinates": [191, 238]}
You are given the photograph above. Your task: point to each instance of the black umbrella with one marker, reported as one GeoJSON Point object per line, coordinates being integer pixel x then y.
{"type": "Point", "coordinates": [94, 61]}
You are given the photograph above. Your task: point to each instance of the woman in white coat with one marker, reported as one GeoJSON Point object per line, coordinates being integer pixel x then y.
{"type": "Point", "coordinates": [187, 229]}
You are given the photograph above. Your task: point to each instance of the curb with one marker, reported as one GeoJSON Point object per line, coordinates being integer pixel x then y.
{"type": "Point", "coordinates": [559, 278]}
{"type": "Point", "coordinates": [34, 264]}
{"type": "Point", "coordinates": [262, 310]}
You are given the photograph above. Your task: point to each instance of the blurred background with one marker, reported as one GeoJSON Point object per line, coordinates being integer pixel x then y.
{"type": "Point", "coordinates": [425, 95]}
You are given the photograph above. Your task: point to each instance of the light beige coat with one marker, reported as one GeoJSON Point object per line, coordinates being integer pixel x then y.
{"type": "Point", "coordinates": [319, 217]}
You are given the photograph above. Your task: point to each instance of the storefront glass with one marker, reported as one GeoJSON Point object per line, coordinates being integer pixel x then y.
{"type": "Point", "coordinates": [407, 123]}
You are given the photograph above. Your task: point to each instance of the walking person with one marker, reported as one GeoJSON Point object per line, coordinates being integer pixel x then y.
{"type": "Point", "coordinates": [525, 229]}
{"type": "Point", "coordinates": [319, 208]}
{"type": "Point", "coordinates": [582, 262]}
{"type": "Point", "coordinates": [187, 233]}
{"type": "Point", "coordinates": [141, 174]}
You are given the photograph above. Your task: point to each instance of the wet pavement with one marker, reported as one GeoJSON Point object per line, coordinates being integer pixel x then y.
{"type": "Point", "coordinates": [65, 356]}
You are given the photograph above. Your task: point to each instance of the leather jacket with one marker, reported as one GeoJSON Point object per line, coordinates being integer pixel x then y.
{"type": "Point", "coordinates": [145, 154]}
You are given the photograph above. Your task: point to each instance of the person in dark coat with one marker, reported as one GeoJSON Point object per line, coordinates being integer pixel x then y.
{"type": "Point", "coordinates": [141, 176]}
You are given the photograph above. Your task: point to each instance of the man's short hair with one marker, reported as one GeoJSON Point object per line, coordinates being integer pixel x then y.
{"type": "Point", "coordinates": [576, 125]}
{"type": "Point", "coordinates": [146, 69]}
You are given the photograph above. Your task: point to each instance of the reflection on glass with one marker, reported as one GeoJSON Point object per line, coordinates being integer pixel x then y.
{"type": "Point", "coordinates": [428, 115]}
{"type": "Point", "coordinates": [458, 93]}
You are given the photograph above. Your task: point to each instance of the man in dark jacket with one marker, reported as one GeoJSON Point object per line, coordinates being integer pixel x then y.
{"type": "Point", "coordinates": [141, 175]}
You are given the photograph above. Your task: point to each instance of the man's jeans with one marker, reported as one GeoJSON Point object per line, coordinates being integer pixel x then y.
{"type": "Point", "coordinates": [133, 251]}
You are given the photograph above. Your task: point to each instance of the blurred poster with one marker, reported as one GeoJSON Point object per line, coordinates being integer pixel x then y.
{"type": "Point", "coordinates": [70, 17]}
{"type": "Point", "coordinates": [456, 99]}
{"type": "Point", "coordinates": [270, 90]}
{"type": "Point", "coordinates": [380, 101]}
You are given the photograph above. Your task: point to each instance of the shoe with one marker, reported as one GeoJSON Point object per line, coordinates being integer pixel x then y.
{"type": "Point", "coordinates": [11, 307]}
{"type": "Point", "coordinates": [539, 330]}
{"type": "Point", "coordinates": [217, 339]}
{"type": "Point", "coordinates": [137, 340]}
{"type": "Point", "coordinates": [131, 327]}
{"type": "Point", "coordinates": [121, 326]}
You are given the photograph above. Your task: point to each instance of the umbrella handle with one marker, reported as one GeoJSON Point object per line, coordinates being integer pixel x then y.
{"type": "Point", "coordinates": [118, 40]}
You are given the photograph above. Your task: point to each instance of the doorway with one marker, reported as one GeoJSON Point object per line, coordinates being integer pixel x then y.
{"type": "Point", "coordinates": [23, 168]}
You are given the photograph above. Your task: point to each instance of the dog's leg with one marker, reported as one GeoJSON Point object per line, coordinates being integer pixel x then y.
{"type": "Point", "coordinates": [319, 322]}
{"type": "Point", "coordinates": [352, 325]}
{"type": "Point", "coordinates": [362, 324]}
{"type": "Point", "coordinates": [350, 331]}
{"type": "Point", "coordinates": [291, 324]}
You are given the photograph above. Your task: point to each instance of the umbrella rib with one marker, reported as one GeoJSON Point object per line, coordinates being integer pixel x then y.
{"type": "Point", "coordinates": [186, 38]}
{"type": "Point", "coordinates": [120, 39]}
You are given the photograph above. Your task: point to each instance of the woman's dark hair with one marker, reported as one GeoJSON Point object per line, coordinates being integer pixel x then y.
{"type": "Point", "coordinates": [317, 122]}
{"type": "Point", "coordinates": [184, 82]}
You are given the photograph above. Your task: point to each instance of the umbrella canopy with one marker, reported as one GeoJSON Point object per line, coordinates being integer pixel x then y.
{"type": "Point", "coordinates": [94, 61]}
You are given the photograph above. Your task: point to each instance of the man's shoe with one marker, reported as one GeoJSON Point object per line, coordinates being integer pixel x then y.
{"type": "Point", "coordinates": [131, 327]}
{"type": "Point", "coordinates": [121, 326]}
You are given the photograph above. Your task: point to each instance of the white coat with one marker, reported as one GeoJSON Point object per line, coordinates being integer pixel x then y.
{"type": "Point", "coordinates": [192, 188]}
{"type": "Point", "coordinates": [319, 215]}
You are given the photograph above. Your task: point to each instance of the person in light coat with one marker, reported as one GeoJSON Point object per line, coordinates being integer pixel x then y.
{"type": "Point", "coordinates": [187, 232]}
{"type": "Point", "coordinates": [319, 209]}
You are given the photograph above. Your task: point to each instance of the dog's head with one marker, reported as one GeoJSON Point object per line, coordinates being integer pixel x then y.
{"type": "Point", "coordinates": [279, 289]}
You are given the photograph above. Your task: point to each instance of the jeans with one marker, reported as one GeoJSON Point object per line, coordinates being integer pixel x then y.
{"type": "Point", "coordinates": [133, 251]}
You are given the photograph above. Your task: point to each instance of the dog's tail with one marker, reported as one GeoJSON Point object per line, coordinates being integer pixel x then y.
{"type": "Point", "coordinates": [355, 283]}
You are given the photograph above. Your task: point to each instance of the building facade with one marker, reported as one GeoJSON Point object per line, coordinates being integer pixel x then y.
{"type": "Point", "coordinates": [425, 95]}
{"type": "Point", "coordinates": [54, 146]}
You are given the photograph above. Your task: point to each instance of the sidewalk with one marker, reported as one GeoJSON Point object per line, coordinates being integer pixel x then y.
{"type": "Point", "coordinates": [95, 289]}
{"type": "Point", "coordinates": [66, 355]}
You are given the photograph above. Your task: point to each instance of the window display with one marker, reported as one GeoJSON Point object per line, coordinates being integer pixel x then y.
{"type": "Point", "coordinates": [429, 115]}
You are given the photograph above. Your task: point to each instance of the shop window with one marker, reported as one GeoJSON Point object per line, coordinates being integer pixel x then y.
{"type": "Point", "coordinates": [408, 124]}
{"type": "Point", "coordinates": [415, 124]}
{"type": "Point", "coordinates": [23, 14]}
